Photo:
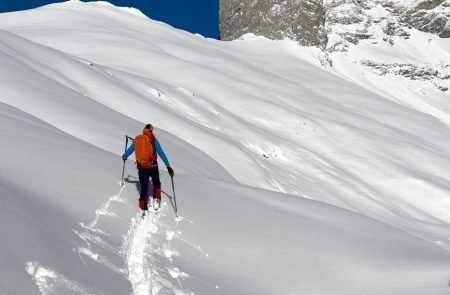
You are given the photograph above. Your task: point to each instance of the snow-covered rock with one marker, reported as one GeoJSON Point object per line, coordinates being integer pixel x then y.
{"type": "Point", "coordinates": [431, 16]}
{"type": "Point", "coordinates": [353, 28]}
{"type": "Point", "coordinates": [383, 50]}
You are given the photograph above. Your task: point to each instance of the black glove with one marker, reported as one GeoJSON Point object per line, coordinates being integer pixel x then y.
{"type": "Point", "coordinates": [171, 172]}
{"type": "Point", "coordinates": [124, 158]}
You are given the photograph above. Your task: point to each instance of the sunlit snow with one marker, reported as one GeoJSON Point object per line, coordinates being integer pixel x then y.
{"type": "Point", "coordinates": [290, 177]}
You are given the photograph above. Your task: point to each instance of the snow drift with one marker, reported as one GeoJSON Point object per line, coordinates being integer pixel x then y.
{"type": "Point", "coordinates": [289, 178]}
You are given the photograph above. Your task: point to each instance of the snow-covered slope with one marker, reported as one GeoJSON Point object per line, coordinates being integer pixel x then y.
{"type": "Point", "coordinates": [290, 179]}
{"type": "Point", "coordinates": [373, 44]}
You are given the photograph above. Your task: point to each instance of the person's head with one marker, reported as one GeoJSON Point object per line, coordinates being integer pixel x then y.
{"type": "Point", "coordinates": [147, 128]}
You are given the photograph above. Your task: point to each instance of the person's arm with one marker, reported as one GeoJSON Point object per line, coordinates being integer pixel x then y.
{"type": "Point", "coordinates": [163, 156]}
{"type": "Point", "coordinates": [129, 151]}
{"type": "Point", "coordinates": [161, 153]}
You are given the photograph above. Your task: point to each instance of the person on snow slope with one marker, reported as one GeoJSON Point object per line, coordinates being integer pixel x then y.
{"type": "Point", "coordinates": [147, 148]}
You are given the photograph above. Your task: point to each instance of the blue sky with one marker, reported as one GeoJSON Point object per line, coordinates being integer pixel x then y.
{"type": "Point", "coordinates": [196, 16]}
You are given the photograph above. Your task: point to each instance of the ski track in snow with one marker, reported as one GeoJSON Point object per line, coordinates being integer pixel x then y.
{"type": "Point", "coordinates": [50, 282]}
{"type": "Point", "coordinates": [92, 235]}
{"type": "Point", "coordinates": [140, 251]}
{"type": "Point", "coordinates": [104, 209]}
{"type": "Point", "coordinates": [142, 254]}
{"type": "Point", "coordinates": [140, 273]}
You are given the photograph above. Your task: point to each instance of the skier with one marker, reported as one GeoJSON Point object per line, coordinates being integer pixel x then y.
{"type": "Point", "coordinates": [146, 148]}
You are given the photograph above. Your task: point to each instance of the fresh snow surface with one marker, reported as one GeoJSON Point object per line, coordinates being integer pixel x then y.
{"type": "Point", "coordinates": [290, 178]}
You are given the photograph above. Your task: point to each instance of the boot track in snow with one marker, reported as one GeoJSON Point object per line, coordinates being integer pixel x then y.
{"type": "Point", "coordinates": [140, 250]}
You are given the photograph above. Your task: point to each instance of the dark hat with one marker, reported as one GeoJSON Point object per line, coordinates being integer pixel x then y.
{"type": "Point", "coordinates": [147, 128]}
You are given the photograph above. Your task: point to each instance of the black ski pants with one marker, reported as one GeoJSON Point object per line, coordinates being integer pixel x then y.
{"type": "Point", "coordinates": [144, 175]}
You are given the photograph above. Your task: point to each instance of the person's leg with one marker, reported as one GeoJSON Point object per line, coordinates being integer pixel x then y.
{"type": "Point", "coordinates": [144, 181]}
{"type": "Point", "coordinates": [156, 183]}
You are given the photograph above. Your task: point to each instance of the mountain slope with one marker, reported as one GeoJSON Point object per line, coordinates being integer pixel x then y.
{"type": "Point", "coordinates": [253, 129]}
{"type": "Point", "coordinates": [373, 45]}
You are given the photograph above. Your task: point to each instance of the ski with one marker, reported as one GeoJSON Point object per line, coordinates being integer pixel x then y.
{"type": "Point", "coordinates": [156, 204]}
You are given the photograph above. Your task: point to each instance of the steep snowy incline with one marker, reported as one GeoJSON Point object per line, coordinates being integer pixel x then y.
{"type": "Point", "coordinates": [56, 87]}
{"type": "Point", "coordinates": [64, 218]}
{"type": "Point", "coordinates": [290, 126]}
{"type": "Point", "coordinates": [232, 240]}
{"type": "Point", "coordinates": [42, 202]}
{"type": "Point", "coordinates": [253, 130]}
{"type": "Point", "coordinates": [268, 243]}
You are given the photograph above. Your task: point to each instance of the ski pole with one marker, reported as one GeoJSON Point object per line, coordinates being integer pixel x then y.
{"type": "Point", "coordinates": [123, 169]}
{"type": "Point", "coordinates": [123, 172]}
{"type": "Point", "coordinates": [174, 197]}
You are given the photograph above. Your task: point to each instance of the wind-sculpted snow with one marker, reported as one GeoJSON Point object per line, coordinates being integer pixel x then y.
{"type": "Point", "coordinates": [289, 179]}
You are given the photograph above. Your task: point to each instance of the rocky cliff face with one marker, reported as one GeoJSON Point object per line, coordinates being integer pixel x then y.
{"type": "Point", "coordinates": [431, 16]}
{"type": "Point", "coordinates": [301, 20]}
{"type": "Point", "coordinates": [350, 29]}
{"type": "Point", "coordinates": [399, 49]}
{"type": "Point", "coordinates": [305, 20]}
{"type": "Point", "coordinates": [388, 28]}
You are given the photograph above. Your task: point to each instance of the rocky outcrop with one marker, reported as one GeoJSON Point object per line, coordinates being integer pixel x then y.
{"type": "Point", "coordinates": [378, 22]}
{"type": "Point", "coordinates": [434, 73]}
{"type": "Point", "coordinates": [301, 20]}
{"type": "Point", "coordinates": [339, 26]}
{"type": "Point", "coordinates": [432, 16]}
{"type": "Point", "coordinates": [308, 21]}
